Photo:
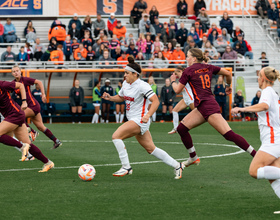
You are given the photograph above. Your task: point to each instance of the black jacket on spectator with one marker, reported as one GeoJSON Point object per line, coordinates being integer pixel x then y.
{"type": "Point", "coordinates": [74, 33]}
{"type": "Point", "coordinates": [240, 50]}
{"type": "Point", "coordinates": [76, 96]}
{"type": "Point", "coordinates": [153, 14]}
{"type": "Point", "coordinates": [198, 5]}
{"type": "Point", "coordinates": [227, 24]}
{"type": "Point", "coordinates": [238, 101]}
{"type": "Point", "coordinates": [171, 34]}
{"type": "Point", "coordinates": [158, 28]}
{"type": "Point", "coordinates": [140, 5]}
{"type": "Point", "coordinates": [115, 55]}
{"type": "Point", "coordinates": [136, 15]}
{"type": "Point", "coordinates": [182, 11]}
{"type": "Point", "coordinates": [273, 14]}
{"type": "Point", "coordinates": [166, 94]}
{"type": "Point", "coordinates": [132, 52]}
{"type": "Point", "coordinates": [181, 36]}
{"type": "Point", "coordinates": [264, 4]}
{"type": "Point", "coordinates": [234, 35]}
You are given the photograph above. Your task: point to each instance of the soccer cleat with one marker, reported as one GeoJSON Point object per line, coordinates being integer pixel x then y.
{"type": "Point", "coordinates": [47, 166]}
{"type": "Point", "coordinates": [191, 162]}
{"type": "Point", "coordinates": [178, 171]}
{"type": "Point", "coordinates": [173, 131]}
{"type": "Point", "coordinates": [33, 136]}
{"type": "Point", "coordinates": [57, 144]}
{"type": "Point", "coordinates": [123, 172]}
{"type": "Point", "coordinates": [24, 150]}
{"type": "Point", "coordinates": [28, 158]}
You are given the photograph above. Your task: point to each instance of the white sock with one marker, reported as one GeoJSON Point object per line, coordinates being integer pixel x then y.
{"type": "Point", "coordinates": [96, 118]}
{"type": "Point", "coordinates": [117, 118]}
{"type": "Point", "coordinates": [276, 187]}
{"type": "Point", "coordinates": [165, 157]}
{"type": "Point", "coordinates": [121, 118]}
{"type": "Point", "coordinates": [107, 121]}
{"type": "Point", "coordinates": [268, 172]}
{"type": "Point", "coordinates": [250, 149]}
{"type": "Point", "coordinates": [191, 150]}
{"type": "Point", "coordinates": [93, 119]}
{"type": "Point", "coordinates": [122, 153]}
{"type": "Point", "coordinates": [154, 116]}
{"type": "Point", "coordinates": [175, 119]}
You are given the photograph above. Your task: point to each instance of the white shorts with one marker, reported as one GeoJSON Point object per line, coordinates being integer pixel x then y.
{"type": "Point", "coordinates": [188, 96]}
{"type": "Point", "coordinates": [272, 149]}
{"type": "Point", "coordinates": [143, 126]}
{"type": "Point", "coordinates": [96, 104]}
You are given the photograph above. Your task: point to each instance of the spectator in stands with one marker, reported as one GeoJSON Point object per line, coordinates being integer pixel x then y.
{"type": "Point", "coordinates": [96, 48]}
{"type": "Point", "coordinates": [276, 3]}
{"type": "Point", "coordinates": [170, 47]}
{"type": "Point", "coordinates": [201, 25]}
{"type": "Point", "coordinates": [159, 44]}
{"type": "Point", "coordinates": [166, 53]}
{"type": "Point", "coordinates": [139, 57]}
{"type": "Point", "coordinates": [256, 99]}
{"type": "Point", "coordinates": [213, 36]}
{"type": "Point", "coordinates": [75, 44]}
{"type": "Point", "coordinates": [148, 30]}
{"type": "Point", "coordinates": [149, 46]}
{"type": "Point", "coordinates": [131, 50]}
{"type": "Point", "coordinates": [130, 40]}
{"type": "Point", "coordinates": [106, 61]}
{"type": "Point", "coordinates": [226, 23]}
{"type": "Point", "coordinates": [191, 45]}
{"type": "Point", "coordinates": [84, 30]}
{"type": "Point", "coordinates": [99, 25]}
{"type": "Point", "coordinates": [74, 31]}
{"type": "Point", "coordinates": [182, 8]}
{"type": "Point", "coordinates": [225, 35]}
{"type": "Point", "coordinates": [153, 14]}
{"type": "Point", "coordinates": [90, 54]}
{"type": "Point", "coordinates": [265, 61]}
{"type": "Point", "coordinates": [30, 32]}
{"type": "Point", "coordinates": [75, 20]}
{"type": "Point", "coordinates": [87, 41]}
{"type": "Point", "coordinates": [9, 32]}
{"type": "Point", "coordinates": [87, 22]}
{"type": "Point", "coordinates": [239, 49]}
{"type": "Point", "coordinates": [8, 56]}
{"type": "Point", "coordinates": [76, 96]}
{"type": "Point", "coordinates": [216, 60]}
{"type": "Point", "coordinates": [106, 105]}
{"type": "Point", "coordinates": [262, 6]}
{"type": "Point", "coordinates": [57, 56]}
{"type": "Point", "coordinates": [155, 52]}
{"type": "Point", "coordinates": [182, 34]}
{"type": "Point", "coordinates": [105, 42]}
{"type": "Point", "coordinates": [212, 50]}
{"type": "Point", "coordinates": [67, 48]}
{"type": "Point", "coordinates": [141, 5]}
{"type": "Point", "coordinates": [135, 16]}
{"type": "Point", "coordinates": [29, 50]}
{"type": "Point", "coordinates": [229, 54]}
{"type": "Point", "coordinates": [114, 42]}
{"type": "Point", "coordinates": [157, 26]}
{"type": "Point", "coordinates": [189, 38]}
{"type": "Point", "coordinates": [204, 18]}
{"type": "Point", "coordinates": [273, 15]}
{"type": "Point", "coordinates": [116, 53]}
{"type": "Point", "coordinates": [178, 54]}
{"type": "Point", "coordinates": [80, 53]}
{"type": "Point", "coordinates": [245, 45]}
{"type": "Point", "coordinates": [167, 34]}
{"type": "Point", "coordinates": [236, 32]}
{"type": "Point", "coordinates": [220, 44]}
{"type": "Point", "coordinates": [141, 43]}
{"type": "Point", "coordinates": [52, 46]}
{"type": "Point", "coordinates": [160, 62]}
{"type": "Point", "coordinates": [101, 50]}
{"type": "Point", "coordinates": [278, 26]}
{"type": "Point", "coordinates": [111, 23]}
{"type": "Point", "coordinates": [198, 5]}
{"type": "Point", "coordinates": [220, 94]}
{"type": "Point", "coordinates": [1, 33]}
{"type": "Point", "coordinates": [214, 26]}
{"type": "Point", "coordinates": [167, 96]}
{"type": "Point", "coordinates": [119, 30]}
{"type": "Point", "coordinates": [194, 35]}
{"type": "Point", "coordinates": [143, 21]}
{"type": "Point", "coordinates": [173, 25]}
{"type": "Point", "coordinates": [38, 49]}
{"type": "Point", "coordinates": [122, 60]}
{"type": "Point", "coordinates": [22, 56]}
{"type": "Point", "coordinates": [37, 94]}
{"type": "Point", "coordinates": [198, 29]}
{"type": "Point", "coordinates": [203, 41]}
{"type": "Point", "coordinates": [239, 102]}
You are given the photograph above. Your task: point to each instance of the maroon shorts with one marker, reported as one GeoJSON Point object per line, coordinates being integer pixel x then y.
{"type": "Point", "coordinates": [17, 118]}
{"type": "Point", "coordinates": [36, 109]}
{"type": "Point", "coordinates": [208, 107]}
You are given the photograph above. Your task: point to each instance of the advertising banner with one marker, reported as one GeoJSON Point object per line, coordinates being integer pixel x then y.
{"type": "Point", "coordinates": [21, 7]}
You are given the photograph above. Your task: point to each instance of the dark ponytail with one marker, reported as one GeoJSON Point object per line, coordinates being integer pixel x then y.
{"type": "Point", "coordinates": [133, 65]}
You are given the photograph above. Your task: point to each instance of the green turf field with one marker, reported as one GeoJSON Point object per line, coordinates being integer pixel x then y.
{"type": "Point", "coordinates": [219, 188]}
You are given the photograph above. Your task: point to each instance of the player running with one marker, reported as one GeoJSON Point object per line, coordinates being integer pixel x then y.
{"type": "Point", "coordinates": [187, 100]}
{"type": "Point", "coordinates": [199, 76]}
{"type": "Point", "coordinates": [135, 93]}
{"type": "Point", "coordinates": [33, 109]}
{"type": "Point", "coordinates": [14, 123]}
{"type": "Point", "coordinates": [266, 163]}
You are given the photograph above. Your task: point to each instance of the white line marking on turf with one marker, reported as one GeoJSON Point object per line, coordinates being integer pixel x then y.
{"type": "Point", "coordinates": [133, 163]}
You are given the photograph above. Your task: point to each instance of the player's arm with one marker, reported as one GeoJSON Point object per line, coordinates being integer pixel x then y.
{"type": "Point", "coordinates": [228, 76]}
{"type": "Point", "coordinates": [21, 88]}
{"type": "Point", "coordinates": [44, 99]}
{"type": "Point", "coordinates": [177, 87]}
{"type": "Point", "coordinates": [254, 108]}
{"type": "Point", "coordinates": [153, 107]}
{"type": "Point", "coordinates": [115, 98]}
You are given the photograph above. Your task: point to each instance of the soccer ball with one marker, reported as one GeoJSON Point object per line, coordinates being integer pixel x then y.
{"type": "Point", "coordinates": [86, 172]}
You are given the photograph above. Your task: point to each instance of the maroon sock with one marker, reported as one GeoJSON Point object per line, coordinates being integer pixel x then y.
{"type": "Point", "coordinates": [186, 139]}
{"type": "Point", "coordinates": [239, 141]}
{"type": "Point", "coordinates": [8, 140]}
{"type": "Point", "coordinates": [50, 135]}
{"type": "Point", "coordinates": [35, 151]}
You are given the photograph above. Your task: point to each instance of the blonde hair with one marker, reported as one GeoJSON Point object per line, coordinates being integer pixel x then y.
{"type": "Point", "coordinates": [15, 66]}
{"type": "Point", "coordinates": [198, 54]}
{"type": "Point", "coordinates": [151, 78]}
{"type": "Point", "coordinates": [271, 74]}
{"type": "Point", "coordinates": [223, 82]}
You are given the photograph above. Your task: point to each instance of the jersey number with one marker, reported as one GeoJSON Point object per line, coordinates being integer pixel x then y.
{"type": "Point", "coordinates": [206, 83]}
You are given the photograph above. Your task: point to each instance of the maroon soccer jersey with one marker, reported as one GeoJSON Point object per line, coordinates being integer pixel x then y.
{"type": "Point", "coordinates": [27, 82]}
{"type": "Point", "coordinates": [7, 105]}
{"type": "Point", "coordinates": [199, 77]}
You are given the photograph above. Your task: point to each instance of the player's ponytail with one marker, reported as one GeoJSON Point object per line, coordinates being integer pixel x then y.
{"type": "Point", "coordinates": [180, 68]}
{"type": "Point", "coordinates": [132, 66]}
{"type": "Point", "coordinates": [198, 54]}
{"type": "Point", "coordinates": [270, 74]}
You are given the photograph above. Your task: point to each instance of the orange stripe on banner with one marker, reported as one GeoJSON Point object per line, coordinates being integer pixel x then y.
{"type": "Point", "coordinates": [271, 129]}
{"type": "Point", "coordinates": [188, 93]}
{"type": "Point", "coordinates": [194, 92]}
{"type": "Point", "coordinates": [12, 101]}
{"type": "Point", "coordinates": [28, 88]}
{"type": "Point", "coordinates": [143, 110]}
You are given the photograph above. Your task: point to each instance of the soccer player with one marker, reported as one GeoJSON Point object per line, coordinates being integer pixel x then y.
{"type": "Point", "coordinates": [266, 163]}
{"type": "Point", "coordinates": [14, 123]}
{"type": "Point", "coordinates": [33, 109]}
{"type": "Point", "coordinates": [119, 105]}
{"type": "Point", "coordinates": [187, 100]}
{"type": "Point", "coordinates": [199, 76]}
{"type": "Point", "coordinates": [135, 92]}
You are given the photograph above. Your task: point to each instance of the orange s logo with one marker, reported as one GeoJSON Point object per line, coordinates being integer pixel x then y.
{"type": "Point", "coordinates": [37, 4]}
{"type": "Point", "coordinates": [109, 6]}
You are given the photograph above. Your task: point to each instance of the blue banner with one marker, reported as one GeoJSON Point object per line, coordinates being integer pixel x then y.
{"type": "Point", "coordinates": [21, 7]}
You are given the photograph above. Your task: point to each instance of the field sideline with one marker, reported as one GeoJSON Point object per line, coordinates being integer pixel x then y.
{"type": "Point", "coordinates": [219, 188]}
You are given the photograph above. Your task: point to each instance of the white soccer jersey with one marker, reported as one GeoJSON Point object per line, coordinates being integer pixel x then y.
{"type": "Point", "coordinates": [187, 94]}
{"type": "Point", "coordinates": [269, 120]}
{"type": "Point", "coordinates": [136, 96]}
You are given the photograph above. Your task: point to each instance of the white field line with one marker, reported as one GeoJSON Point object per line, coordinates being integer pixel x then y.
{"type": "Point", "coordinates": [133, 163]}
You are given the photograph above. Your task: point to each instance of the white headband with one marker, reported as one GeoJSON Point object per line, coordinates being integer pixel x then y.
{"type": "Point", "coordinates": [128, 68]}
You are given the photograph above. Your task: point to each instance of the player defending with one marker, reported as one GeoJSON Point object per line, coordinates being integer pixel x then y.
{"type": "Point", "coordinates": [187, 100]}
{"type": "Point", "coordinates": [199, 76]}
{"type": "Point", "coordinates": [135, 93]}
{"type": "Point", "coordinates": [266, 163]}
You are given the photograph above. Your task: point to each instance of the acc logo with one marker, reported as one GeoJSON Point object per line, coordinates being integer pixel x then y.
{"type": "Point", "coordinates": [37, 4]}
